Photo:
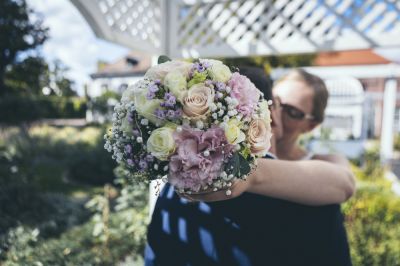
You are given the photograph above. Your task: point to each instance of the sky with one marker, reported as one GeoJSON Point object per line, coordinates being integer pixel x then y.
{"type": "Point", "coordinates": [72, 41]}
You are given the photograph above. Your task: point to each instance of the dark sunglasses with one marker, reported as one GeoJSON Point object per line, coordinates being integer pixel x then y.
{"type": "Point", "coordinates": [295, 113]}
{"type": "Point", "coordinates": [276, 103]}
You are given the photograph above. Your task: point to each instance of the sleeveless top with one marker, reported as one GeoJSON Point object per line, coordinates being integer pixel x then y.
{"type": "Point", "coordinates": [247, 230]}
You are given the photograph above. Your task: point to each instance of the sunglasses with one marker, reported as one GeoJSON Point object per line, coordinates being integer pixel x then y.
{"type": "Point", "coordinates": [295, 113]}
{"type": "Point", "coordinates": [276, 103]}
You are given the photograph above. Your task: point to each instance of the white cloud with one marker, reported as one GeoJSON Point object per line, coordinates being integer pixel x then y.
{"type": "Point", "coordinates": [72, 41]}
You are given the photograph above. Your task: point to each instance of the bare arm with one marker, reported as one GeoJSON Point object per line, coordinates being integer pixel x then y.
{"type": "Point", "coordinates": [312, 182]}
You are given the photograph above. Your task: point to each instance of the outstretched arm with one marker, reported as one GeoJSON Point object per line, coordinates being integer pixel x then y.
{"type": "Point", "coordinates": [312, 182]}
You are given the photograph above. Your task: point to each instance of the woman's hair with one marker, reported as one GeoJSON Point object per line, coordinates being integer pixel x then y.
{"type": "Point", "coordinates": [318, 86]}
{"type": "Point", "coordinates": [260, 79]}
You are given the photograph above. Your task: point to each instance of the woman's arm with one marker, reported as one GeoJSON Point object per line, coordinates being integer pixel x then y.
{"type": "Point", "coordinates": [312, 182]}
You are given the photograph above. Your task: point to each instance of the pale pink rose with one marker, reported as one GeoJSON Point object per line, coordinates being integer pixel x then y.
{"type": "Point", "coordinates": [245, 92]}
{"type": "Point", "coordinates": [197, 101]}
{"type": "Point", "coordinates": [259, 136]}
{"type": "Point", "coordinates": [189, 167]}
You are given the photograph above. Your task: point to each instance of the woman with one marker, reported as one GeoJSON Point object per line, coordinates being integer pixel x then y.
{"type": "Point", "coordinates": [301, 177]}
{"type": "Point", "coordinates": [300, 234]}
{"type": "Point", "coordinates": [251, 229]}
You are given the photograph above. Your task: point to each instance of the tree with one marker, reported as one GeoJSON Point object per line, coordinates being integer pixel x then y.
{"type": "Point", "coordinates": [60, 83]}
{"type": "Point", "coordinates": [28, 76]}
{"type": "Point", "coordinates": [273, 61]}
{"type": "Point", "coordinates": [18, 33]}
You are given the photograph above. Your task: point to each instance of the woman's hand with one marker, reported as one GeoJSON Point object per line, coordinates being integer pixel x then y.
{"type": "Point", "coordinates": [238, 188]}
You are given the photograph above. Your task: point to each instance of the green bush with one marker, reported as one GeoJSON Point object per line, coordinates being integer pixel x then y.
{"type": "Point", "coordinates": [77, 246]}
{"type": "Point", "coordinates": [40, 227]}
{"type": "Point", "coordinates": [396, 142]}
{"type": "Point", "coordinates": [16, 109]}
{"type": "Point", "coordinates": [373, 222]}
{"type": "Point", "coordinates": [52, 156]}
{"type": "Point", "coordinates": [117, 230]}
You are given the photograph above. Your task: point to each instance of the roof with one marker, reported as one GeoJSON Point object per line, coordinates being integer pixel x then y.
{"type": "Point", "coordinates": [133, 64]}
{"type": "Point", "coordinates": [356, 57]}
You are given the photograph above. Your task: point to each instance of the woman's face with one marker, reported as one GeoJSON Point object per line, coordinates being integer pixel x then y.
{"type": "Point", "coordinates": [297, 105]}
{"type": "Point", "coordinates": [276, 116]}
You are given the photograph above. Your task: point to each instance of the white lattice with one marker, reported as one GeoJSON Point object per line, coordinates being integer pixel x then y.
{"type": "Point", "coordinates": [184, 28]}
{"type": "Point", "coordinates": [133, 23]}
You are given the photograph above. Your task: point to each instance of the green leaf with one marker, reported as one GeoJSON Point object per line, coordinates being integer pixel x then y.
{"type": "Point", "coordinates": [163, 59]}
{"type": "Point", "coordinates": [233, 165]}
{"type": "Point", "coordinates": [244, 166]}
{"type": "Point", "coordinates": [197, 78]}
{"type": "Point", "coordinates": [237, 165]}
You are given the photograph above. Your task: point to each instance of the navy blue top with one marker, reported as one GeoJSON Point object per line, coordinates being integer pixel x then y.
{"type": "Point", "coordinates": [247, 230]}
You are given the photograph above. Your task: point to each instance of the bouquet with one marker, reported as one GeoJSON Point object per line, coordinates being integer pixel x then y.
{"type": "Point", "coordinates": [199, 126]}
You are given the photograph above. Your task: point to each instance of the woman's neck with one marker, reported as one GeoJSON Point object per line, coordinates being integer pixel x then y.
{"type": "Point", "coordinates": [288, 149]}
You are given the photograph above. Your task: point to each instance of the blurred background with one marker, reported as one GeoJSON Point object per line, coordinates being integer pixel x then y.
{"type": "Point", "coordinates": [65, 63]}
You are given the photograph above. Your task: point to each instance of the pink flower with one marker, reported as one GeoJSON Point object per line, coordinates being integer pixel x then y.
{"type": "Point", "coordinates": [245, 92]}
{"type": "Point", "coordinates": [199, 157]}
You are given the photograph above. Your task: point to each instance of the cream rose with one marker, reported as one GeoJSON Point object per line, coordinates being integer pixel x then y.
{"type": "Point", "coordinates": [264, 111]}
{"type": "Point", "coordinates": [233, 133]}
{"type": "Point", "coordinates": [146, 108]}
{"type": "Point", "coordinates": [161, 70]}
{"type": "Point", "coordinates": [219, 72]}
{"type": "Point", "coordinates": [259, 136]}
{"type": "Point", "coordinates": [130, 93]}
{"type": "Point", "coordinates": [161, 143]}
{"type": "Point", "coordinates": [197, 101]}
{"type": "Point", "coordinates": [176, 82]}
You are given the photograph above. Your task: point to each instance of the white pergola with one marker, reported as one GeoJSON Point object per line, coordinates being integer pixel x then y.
{"type": "Point", "coordinates": [233, 28]}
{"type": "Point", "coordinates": [216, 28]}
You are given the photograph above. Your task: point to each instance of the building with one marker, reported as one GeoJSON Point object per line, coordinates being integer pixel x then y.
{"type": "Point", "coordinates": [118, 75]}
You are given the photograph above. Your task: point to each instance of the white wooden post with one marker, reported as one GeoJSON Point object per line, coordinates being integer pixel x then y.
{"type": "Point", "coordinates": [389, 105]}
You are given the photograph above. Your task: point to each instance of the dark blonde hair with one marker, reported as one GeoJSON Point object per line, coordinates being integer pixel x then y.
{"type": "Point", "coordinates": [318, 86]}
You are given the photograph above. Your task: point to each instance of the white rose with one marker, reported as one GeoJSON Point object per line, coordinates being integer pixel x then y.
{"type": "Point", "coordinates": [161, 70]}
{"type": "Point", "coordinates": [176, 82]}
{"type": "Point", "coordinates": [220, 72]}
{"type": "Point", "coordinates": [264, 111]}
{"type": "Point", "coordinates": [129, 94]}
{"type": "Point", "coordinates": [233, 133]}
{"type": "Point", "coordinates": [146, 108]}
{"type": "Point", "coordinates": [161, 143]}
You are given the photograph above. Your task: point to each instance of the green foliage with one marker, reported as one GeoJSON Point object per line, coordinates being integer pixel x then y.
{"type": "Point", "coordinates": [239, 165]}
{"type": "Point", "coordinates": [373, 222]}
{"type": "Point", "coordinates": [77, 246]}
{"type": "Point", "coordinates": [197, 78]}
{"type": "Point", "coordinates": [18, 32]}
{"type": "Point", "coordinates": [27, 77]}
{"type": "Point", "coordinates": [372, 168]}
{"type": "Point", "coordinates": [100, 104]}
{"type": "Point", "coordinates": [396, 142]}
{"type": "Point", "coordinates": [16, 109]}
{"type": "Point", "coordinates": [270, 62]}
{"type": "Point", "coordinates": [163, 59]}
{"type": "Point", "coordinates": [54, 157]}
{"type": "Point", "coordinates": [40, 227]}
